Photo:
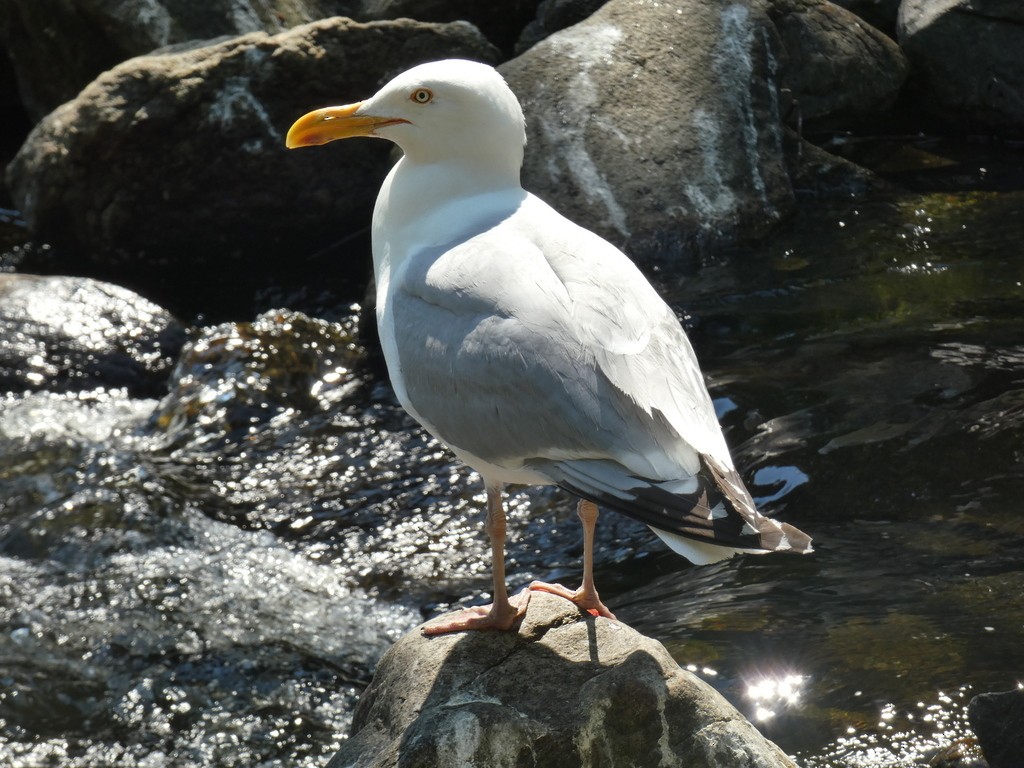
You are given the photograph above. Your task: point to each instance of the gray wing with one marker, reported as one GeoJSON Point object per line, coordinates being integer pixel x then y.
{"type": "Point", "coordinates": [493, 362]}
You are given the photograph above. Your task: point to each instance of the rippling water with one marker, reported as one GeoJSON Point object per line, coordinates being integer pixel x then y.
{"type": "Point", "coordinates": [209, 578]}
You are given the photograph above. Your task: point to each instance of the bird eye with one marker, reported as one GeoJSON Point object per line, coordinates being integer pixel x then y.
{"type": "Point", "coordinates": [422, 95]}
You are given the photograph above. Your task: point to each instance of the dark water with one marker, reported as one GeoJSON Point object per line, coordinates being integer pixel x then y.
{"type": "Point", "coordinates": [208, 579]}
{"type": "Point", "coordinates": [874, 388]}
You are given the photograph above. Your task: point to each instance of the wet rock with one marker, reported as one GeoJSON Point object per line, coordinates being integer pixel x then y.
{"type": "Point", "coordinates": [67, 334]}
{"type": "Point", "coordinates": [58, 47]}
{"type": "Point", "coordinates": [838, 70]}
{"type": "Point", "coordinates": [658, 125]}
{"type": "Point", "coordinates": [977, 86]}
{"type": "Point", "coordinates": [998, 721]}
{"type": "Point", "coordinates": [236, 376]}
{"type": "Point", "coordinates": [170, 170]}
{"type": "Point", "coordinates": [565, 690]}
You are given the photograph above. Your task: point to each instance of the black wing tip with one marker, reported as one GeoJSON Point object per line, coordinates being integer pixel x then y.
{"type": "Point", "coordinates": [719, 512]}
{"type": "Point", "coordinates": [680, 515]}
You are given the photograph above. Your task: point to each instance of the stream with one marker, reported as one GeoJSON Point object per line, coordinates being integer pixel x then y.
{"type": "Point", "coordinates": [208, 578]}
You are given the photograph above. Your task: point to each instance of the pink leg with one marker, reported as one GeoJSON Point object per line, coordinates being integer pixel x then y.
{"type": "Point", "coordinates": [503, 612]}
{"type": "Point", "coordinates": [586, 596]}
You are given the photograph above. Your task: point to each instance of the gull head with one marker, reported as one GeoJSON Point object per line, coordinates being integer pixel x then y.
{"type": "Point", "coordinates": [444, 111]}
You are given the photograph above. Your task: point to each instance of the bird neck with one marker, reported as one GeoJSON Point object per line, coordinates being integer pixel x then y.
{"type": "Point", "coordinates": [426, 204]}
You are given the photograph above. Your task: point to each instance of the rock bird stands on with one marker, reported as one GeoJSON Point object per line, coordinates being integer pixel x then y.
{"type": "Point", "coordinates": [533, 348]}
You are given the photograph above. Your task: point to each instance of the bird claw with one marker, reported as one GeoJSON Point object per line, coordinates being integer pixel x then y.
{"type": "Point", "coordinates": [482, 617]}
{"type": "Point", "coordinates": [585, 600]}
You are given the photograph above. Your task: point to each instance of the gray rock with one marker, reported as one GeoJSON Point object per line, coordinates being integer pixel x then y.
{"type": "Point", "coordinates": [173, 166]}
{"type": "Point", "coordinates": [565, 690]}
{"type": "Point", "coordinates": [967, 60]}
{"type": "Point", "coordinates": [68, 334]}
{"type": "Point", "coordinates": [838, 70]}
{"type": "Point", "coordinates": [657, 124]}
{"type": "Point", "coordinates": [662, 125]}
{"type": "Point", "coordinates": [59, 46]}
{"type": "Point", "coordinates": [997, 719]}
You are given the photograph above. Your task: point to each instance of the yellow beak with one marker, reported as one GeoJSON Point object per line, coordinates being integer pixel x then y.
{"type": "Point", "coordinates": [333, 123]}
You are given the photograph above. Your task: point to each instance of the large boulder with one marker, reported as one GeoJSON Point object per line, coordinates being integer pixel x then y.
{"type": "Point", "coordinates": [69, 334]}
{"type": "Point", "coordinates": [59, 46]}
{"type": "Point", "coordinates": [169, 171]}
{"type": "Point", "coordinates": [657, 124]}
{"type": "Point", "coordinates": [838, 71]}
{"type": "Point", "coordinates": [663, 125]}
{"type": "Point", "coordinates": [967, 61]}
{"type": "Point", "coordinates": [565, 690]}
{"type": "Point", "coordinates": [835, 69]}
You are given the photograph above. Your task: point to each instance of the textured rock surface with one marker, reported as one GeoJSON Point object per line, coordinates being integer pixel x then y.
{"type": "Point", "coordinates": [564, 691]}
{"type": "Point", "coordinates": [997, 719]}
{"type": "Point", "coordinates": [967, 60]}
{"type": "Point", "coordinates": [65, 334]}
{"type": "Point", "coordinates": [170, 170]}
{"type": "Point", "coordinates": [656, 124]}
{"type": "Point", "coordinates": [59, 46]}
{"type": "Point", "coordinates": [837, 69]}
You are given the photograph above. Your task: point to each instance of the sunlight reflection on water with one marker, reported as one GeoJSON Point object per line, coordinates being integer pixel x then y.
{"type": "Point", "coordinates": [771, 693]}
{"type": "Point", "coordinates": [906, 736]}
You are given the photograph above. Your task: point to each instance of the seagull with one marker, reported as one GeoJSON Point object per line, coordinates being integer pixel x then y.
{"type": "Point", "coordinates": [533, 348]}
